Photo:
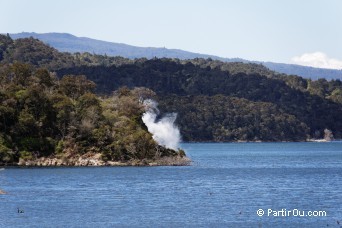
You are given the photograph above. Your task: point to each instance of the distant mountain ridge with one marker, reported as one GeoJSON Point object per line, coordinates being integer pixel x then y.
{"type": "Point", "coordinates": [69, 43]}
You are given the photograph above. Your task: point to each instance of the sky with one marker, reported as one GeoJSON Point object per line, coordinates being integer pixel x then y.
{"type": "Point", "coordinates": [305, 32]}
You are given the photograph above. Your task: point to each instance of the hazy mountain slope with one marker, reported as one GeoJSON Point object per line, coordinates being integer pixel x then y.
{"type": "Point", "coordinates": [304, 71]}
{"type": "Point", "coordinates": [69, 43]}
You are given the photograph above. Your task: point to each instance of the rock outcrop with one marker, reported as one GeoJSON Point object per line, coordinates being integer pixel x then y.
{"type": "Point", "coordinates": [96, 160]}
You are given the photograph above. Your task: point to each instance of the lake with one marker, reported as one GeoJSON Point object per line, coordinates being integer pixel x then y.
{"type": "Point", "coordinates": [225, 186]}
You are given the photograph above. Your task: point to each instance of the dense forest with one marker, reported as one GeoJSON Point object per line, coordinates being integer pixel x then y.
{"type": "Point", "coordinates": [43, 116]}
{"type": "Point", "coordinates": [215, 101]}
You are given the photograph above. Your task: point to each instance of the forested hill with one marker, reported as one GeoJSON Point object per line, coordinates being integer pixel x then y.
{"type": "Point", "coordinates": [215, 101]}
{"type": "Point", "coordinates": [69, 43]}
{"type": "Point", "coordinates": [49, 121]}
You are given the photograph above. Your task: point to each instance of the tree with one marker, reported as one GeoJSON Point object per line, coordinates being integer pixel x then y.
{"type": "Point", "coordinates": [5, 43]}
{"type": "Point", "coordinates": [44, 78]}
{"type": "Point", "coordinates": [64, 109]}
{"type": "Point", "coordinates": [75, 86]}
{"type": "Point", "coordinates": [21, 73]}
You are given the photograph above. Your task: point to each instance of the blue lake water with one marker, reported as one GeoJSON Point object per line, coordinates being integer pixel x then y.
{"type": "Point", "coordinates": [224, 187]}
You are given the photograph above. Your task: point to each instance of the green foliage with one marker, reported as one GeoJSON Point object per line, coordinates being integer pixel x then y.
{"type": "Point", "coordinates": [42, 146]}
{"type": "Point", "coordinates": [21, 73]}
{"type": "Point", "coordinates": [221, 118]}
{"type": "Point", "coordinates": [44, 78]}
{"type": "Point", "coordinates": [6, 154]}
{"type": "Point", "coordinates": [216, 101]}
{"type": "Point", "coordinates": [36, 53]}
{"type": "Point", "coordinates": [5, 44]}
{"type": "Point", "coordinates": [60, 147]}
{"type": "Point", "coordinates": [26, 155]}
{"type": "Point", "coordinates": [181, 153]}
{"type": "Point", "coordinates": [64, 109]}
{"type": "Point", "coordinates": [315, 104]}
{"type": "Point", "coordinates": [75, 86]}
{"type": "Point", "coordinates": [43, 116]}
{"type": "Point", "coordinates": [336, 95]}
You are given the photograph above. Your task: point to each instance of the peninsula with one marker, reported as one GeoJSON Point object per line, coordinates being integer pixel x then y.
{"type": "Point", "coordinates": [47, 121]}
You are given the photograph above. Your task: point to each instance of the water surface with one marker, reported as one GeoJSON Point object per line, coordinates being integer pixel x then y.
{"type": "Point", "coordinates": [224, 187]}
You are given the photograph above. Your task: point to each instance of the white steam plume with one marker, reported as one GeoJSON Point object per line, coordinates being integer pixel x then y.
{"type": "Point", "coordinates": [164, 131]}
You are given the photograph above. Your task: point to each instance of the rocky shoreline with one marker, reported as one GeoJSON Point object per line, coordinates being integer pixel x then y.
{"type": "Point", "coordinates": [95, 160]}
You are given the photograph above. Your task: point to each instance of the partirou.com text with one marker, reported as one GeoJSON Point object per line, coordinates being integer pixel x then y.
{"type": "Point", "coordinates": [290, 213]}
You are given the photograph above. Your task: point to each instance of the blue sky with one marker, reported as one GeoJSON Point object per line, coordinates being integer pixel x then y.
{"type": "Point", "coordinates": [289, 31]}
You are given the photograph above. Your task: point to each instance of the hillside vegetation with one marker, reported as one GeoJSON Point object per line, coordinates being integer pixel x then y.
{"type": "Point", "coordinates": [43, 116]}
{"type": "Point", "coordinates": [215, 101]}
{"type": "Point", "coordinates": [70, 43]}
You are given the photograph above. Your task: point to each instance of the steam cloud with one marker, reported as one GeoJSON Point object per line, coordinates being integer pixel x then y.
{"type": "Point", "coordinates": [164, 131]}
